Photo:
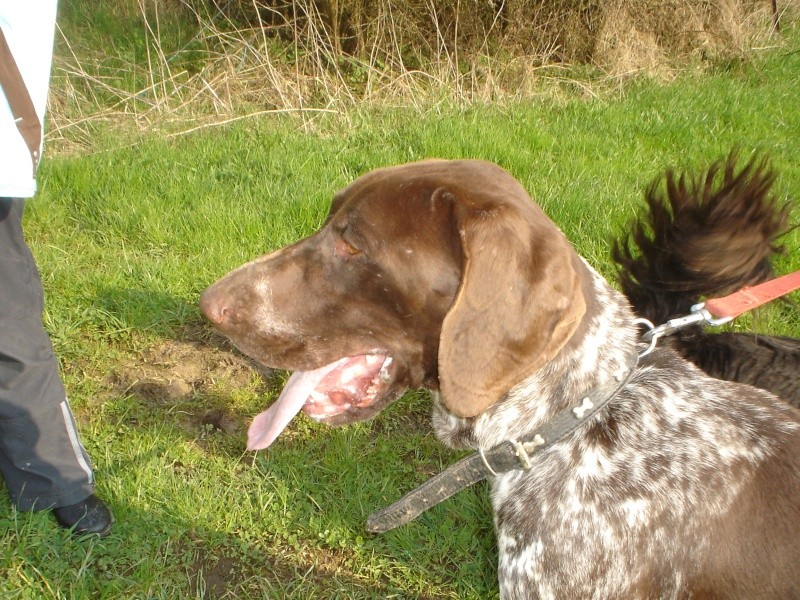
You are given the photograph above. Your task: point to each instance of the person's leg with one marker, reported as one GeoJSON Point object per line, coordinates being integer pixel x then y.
{"type": "Point", "coordinates": [42, 461]}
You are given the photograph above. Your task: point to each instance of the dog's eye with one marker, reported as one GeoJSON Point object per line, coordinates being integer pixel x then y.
{"type": "Point", "coordinates": [345, 249]}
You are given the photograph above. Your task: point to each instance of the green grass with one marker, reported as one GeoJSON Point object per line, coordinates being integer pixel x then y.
{"type": "Point", "coordinates": [127, 236]}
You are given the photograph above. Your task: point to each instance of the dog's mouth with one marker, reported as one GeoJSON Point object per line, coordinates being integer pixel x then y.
{"type": "Point", "coordinates": [323, 393]}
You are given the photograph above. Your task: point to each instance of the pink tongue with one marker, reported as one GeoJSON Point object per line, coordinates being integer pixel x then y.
{"type": "Point", "coordinates": [268, 425]}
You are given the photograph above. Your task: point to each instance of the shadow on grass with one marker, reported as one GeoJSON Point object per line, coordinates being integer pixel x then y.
{"type": "Point", "coordinates": [192, 523]}
{"type": "Point", "coordinates": [132, 309]}
{"type": "Point", "coordinates": [155, 555]}
{"type": "Point", "coordinates": [289, 522]}
{"type": "Point", "coordinates": [197, 515]}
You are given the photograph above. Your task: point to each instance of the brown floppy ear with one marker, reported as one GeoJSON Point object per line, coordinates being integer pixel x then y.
{"type": "Point", "coordinates": [518, 303]}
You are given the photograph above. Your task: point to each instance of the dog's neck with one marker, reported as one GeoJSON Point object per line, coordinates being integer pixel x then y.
{"type": "Point", "coordinates": [596, 352]}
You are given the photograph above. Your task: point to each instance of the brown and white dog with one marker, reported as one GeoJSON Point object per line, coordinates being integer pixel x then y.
{"type": "Point", "coordinates": [444, 275]}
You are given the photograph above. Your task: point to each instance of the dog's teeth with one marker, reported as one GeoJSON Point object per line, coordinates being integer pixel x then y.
{"type": "Point", "coordinates": [384, 372]}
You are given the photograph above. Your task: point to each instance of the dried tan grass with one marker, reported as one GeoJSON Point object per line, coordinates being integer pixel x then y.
{"type": "Point", "coordinates": [662, 36]}
{"type": "Point", "coordinates": [311, 56]}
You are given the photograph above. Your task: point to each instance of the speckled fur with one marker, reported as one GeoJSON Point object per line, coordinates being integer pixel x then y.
{"type": "Point", "coordinates": [629, 506]}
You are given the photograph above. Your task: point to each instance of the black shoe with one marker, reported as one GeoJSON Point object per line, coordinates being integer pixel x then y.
{"type": "Point", "coordinates": [87, 517]}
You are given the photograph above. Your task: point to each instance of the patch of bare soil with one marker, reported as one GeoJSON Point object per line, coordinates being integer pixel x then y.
{"type": "Point", "coordinates": [220, 573]}
{"type": "Point", "coordinates": [215, 576]}
{"type": "Point", "coordinates": [176, 371]}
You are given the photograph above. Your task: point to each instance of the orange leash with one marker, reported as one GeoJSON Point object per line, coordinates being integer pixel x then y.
{"type": "Point", "coordinates": [718, 311]}
{"type": "Point", "coordinates": [751, 297]}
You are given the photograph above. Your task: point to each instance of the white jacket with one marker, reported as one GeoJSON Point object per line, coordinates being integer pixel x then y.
{"type": "Point", "coordinates": [28, 26]}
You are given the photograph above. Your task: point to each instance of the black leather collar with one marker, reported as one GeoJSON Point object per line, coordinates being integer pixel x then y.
{"type": "Point", "coordinates": [508, 456]}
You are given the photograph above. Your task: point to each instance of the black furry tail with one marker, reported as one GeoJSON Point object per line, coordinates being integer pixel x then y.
{"type": "Point", "coordinates": [702, 236]}
{"type": "Point", "coordinates": [707, 236]}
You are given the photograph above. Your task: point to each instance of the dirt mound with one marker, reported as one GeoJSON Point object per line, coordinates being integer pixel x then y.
{"type": "Point", "coordinates": [176, 372]}
{"type": "Point", "coordinates": [175, 369]}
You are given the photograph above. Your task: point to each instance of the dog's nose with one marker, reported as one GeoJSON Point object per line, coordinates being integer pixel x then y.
{"type": "Point", "coordinates": [214, 307]}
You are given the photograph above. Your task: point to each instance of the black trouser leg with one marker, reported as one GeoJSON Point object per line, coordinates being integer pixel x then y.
{"type": "Point", "coordinates": [42, 460]}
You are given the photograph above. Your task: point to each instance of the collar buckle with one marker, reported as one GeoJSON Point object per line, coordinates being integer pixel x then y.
{"type": "Point", "coordinates": [522, 450]}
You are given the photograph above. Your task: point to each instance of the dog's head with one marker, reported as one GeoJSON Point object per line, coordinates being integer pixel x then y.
{"type": "Point", "coordinates": [437, 274]}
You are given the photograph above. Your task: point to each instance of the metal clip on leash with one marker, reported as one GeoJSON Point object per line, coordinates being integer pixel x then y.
{"type": "Point", "coordinates": [699, 314]}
